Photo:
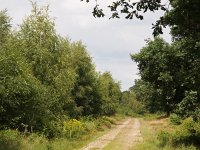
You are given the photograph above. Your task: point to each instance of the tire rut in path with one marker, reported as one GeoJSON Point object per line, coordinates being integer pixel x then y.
{"type": "Point", "coordinates": [102, 141]}
{"type": "Point", "coordinates": [128, 136]}
{"type": "Point", "coordinates": [123, 136]}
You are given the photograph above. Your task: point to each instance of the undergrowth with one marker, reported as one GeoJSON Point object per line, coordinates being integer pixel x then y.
{"type": "Point", "coordinates": [165, 134]}
{"type": "Point", "coordinates": [75, 134]}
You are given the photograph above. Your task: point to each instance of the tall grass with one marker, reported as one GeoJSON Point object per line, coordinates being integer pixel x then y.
{"type": "Point", "coordinates": [76, 133]}
{"type": "Point", "coordinates": [151, 131]}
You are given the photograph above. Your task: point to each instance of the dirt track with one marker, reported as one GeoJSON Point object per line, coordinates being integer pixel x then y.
{"type": "Point", "coordinates": [121, 137]}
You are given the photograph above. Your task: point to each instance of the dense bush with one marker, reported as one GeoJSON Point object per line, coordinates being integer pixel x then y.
{"type": "Point", "coordinates": [10, 140]}
{"type": "Point", "coordinates": [189, 106]}
{"type": "Point", "coordinates": [175, 119]}
{"type": "Point", "coordinates": [73, 128]}
{"type": "Point", "coordinates": [188, 133]}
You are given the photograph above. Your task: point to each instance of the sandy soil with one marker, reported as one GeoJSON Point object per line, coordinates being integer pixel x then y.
{"type": "Point", "coordinates": [121, 137]}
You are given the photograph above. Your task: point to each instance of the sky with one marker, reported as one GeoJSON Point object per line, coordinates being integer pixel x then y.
{"type": "Point", "coordinates": [109, 41]}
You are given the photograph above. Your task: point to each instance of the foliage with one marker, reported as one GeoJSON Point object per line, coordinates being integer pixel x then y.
{"type": "Point", "coordinates": [110, 93]}
{"type": "Point", "coordinates": [164, 138]}
{"type": "Point", "coordinates": [46, 79]}
{"type": "Point", "coordinates": [175, 119]}
{"type": "Point", "coordinates": [158, 136]}
{"type": "Point", "coordinates": [85, 91]}
{"type": "Point", "coordinates": [156, 63]}
{"type": "Point", "coordinates": [5, 26]}
{"type": "Point", "coordinates": [73, 128]}
{"type": "Point", "coordinates": [169, 72]}
{"type": "Point", "coordinates": [172, 70]}
{"type": "Point", "coordinates": [14, 140]}
{"type": "Point", "coordinates": [189, 106]}
{"type": "Point", "coordinates": [146, 94]}
{"type": "Point", "coordinates": [81, 132]}
{"type": "Point", "coordinates": [9, 140]}
{"type": "Point", "coordinates": [130, 9]}
{"type": "Point", "coordinates": [181, 16]}
{"type": "Point", "coordinates": [129, 105]}
{"type": "Point", "coordinates": [49, 56]}
{"type": "Point", "coordinates": [187, 132]}
{"type": "Point", "coordinates": [19, 89]}
{"type": "Point", "coordinates": [164, 71]}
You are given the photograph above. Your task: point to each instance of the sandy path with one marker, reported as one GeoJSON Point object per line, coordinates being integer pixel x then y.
{"type": "Point", "coordinates": [121, 137]}
{"type": "Point", "coordinates": [129, 135]}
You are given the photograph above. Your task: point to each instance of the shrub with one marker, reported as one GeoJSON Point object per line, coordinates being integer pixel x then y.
{"type": "Point", "coordinates": [14, 140]}
{"type": "Point", "coordinates": [89, 126]}
{"type": "Point", "coordinates": [184, 132]}
{"type": "Point", "coordinates": [164, 138]}
{"type": "Point", "coordinates": [109, 119]}
{"type": "Point", "coordinates": [175, 119]}
{"type": "Point", "coordinates": [189, 106]}
{"type": "Point", "coordinates": [10, 140]}
{"type": "Point", "coordinates": [73, 128]}
{"type": "Point", "coordinates": [53, 129]}
{"type": "Point", "coordinates": [106, 123]}
{"type": "Point", "coordinates": [187, 133]}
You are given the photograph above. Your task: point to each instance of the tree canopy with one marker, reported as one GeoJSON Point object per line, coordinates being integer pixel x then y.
{"type": "Point", "coordinates": [172, 70]}
{"type": "Point", "coordinates": [45, 78]}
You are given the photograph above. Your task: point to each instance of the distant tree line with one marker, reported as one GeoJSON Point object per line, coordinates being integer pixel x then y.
{"type": "Point", "coordinates": [45, 77]}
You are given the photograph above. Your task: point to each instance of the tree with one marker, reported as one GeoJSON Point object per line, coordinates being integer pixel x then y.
{"type": "Point", "coordinates": [171, 70]}
{"type": "Point", "coordinates": [50, 57]}
{"type": "Point", "coordinates": [37, 76]}
{"type": "Point", "coordinates": [45, 78]}
{"type": "Point", "coordinates": [4, 26]}
{"type": "Point", "coordinates": [146, 94]}
{"type": "Point", "coordinates": [39, 41]}
{"type": "Point", "coordinates": [21, 98]}
{"type": "Point", "coordinates": [110, 93]}
{"type": "Point", "coordinates": [85, 90]}
{"type": "Point", "coordinates": [189, 106]}
{"type": "Point", "coordinates": [161, 65]}
{"type": "Point", "coordinates": [183, 18]}
{"type": "Point", "coordinates": [129, 104]}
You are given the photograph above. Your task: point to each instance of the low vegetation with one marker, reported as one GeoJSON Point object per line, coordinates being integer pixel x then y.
{"type": "Point", "coordinates": [75, 134]}
{"type": "Point", "coordinates": [187, 134]}
{"type": "Point", "coordinates": [165, 134]}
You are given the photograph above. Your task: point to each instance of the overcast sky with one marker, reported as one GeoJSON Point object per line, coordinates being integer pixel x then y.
{"type": "Point", "coordinates": [110, 42]}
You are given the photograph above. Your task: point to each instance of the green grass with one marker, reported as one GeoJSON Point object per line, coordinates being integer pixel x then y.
{"type": "Point", "coordinates": [93, 128]}
{"type": "Point", "coordinates": [151, 142]}
{"type": "Point", "coordinates": [149, 138]}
